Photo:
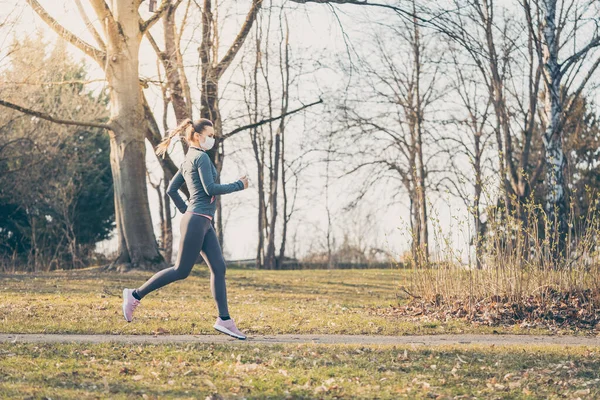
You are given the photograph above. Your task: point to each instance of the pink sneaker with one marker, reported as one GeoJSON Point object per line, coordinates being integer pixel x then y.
{"type": "Point", "coordinates": [228, 327]}
{"type": "Point", "coordinates": [129, 304]}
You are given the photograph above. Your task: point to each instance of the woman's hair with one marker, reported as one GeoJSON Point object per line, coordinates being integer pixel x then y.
{"type": "Point", "coordinates": [186, 130]}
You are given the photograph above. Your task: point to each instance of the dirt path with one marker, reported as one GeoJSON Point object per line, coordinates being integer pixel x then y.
{"type": "Point", "coordinates": [431, 340]}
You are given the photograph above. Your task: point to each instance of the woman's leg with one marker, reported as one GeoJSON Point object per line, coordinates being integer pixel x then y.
{"type": "Point", "coordinates": [211, 252]}
{"type": "Point", "coordinates": [193, 229]}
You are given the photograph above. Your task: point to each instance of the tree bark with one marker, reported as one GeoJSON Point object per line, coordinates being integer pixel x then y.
{"type": "Point", "coordinates": [556, 205]}
{"type": "Point", "coordinates": [259, 156]}
{"type": "Point", "coordinates": [420, 165]}
{"type": "Point", "coordinates": [171, 63]}
{"type": "Point", "coordinates": [167, 236]}
{"type": "Point", "coordinates": [285, 81]}
{"type": "Point", "coordinates": [137, 247]}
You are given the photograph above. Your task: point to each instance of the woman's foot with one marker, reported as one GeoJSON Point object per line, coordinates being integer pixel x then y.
{"type": "Point", "coordinates": [129, 304]}
{"type": "Point", "coordinates": [228, 327]}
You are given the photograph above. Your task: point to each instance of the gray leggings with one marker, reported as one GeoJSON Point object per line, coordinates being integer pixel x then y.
{"type": "Point", "coordinates": [197, 237]}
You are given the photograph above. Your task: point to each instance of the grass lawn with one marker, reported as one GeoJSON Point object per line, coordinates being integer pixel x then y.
{"type": "Point", "coordinates": [71, 371]}
{"type": "Point", "coordinates": [261, 302]}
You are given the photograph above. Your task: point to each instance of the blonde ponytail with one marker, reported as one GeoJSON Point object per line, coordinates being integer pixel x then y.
{"type": "Point", "coordinates": [163, 146]}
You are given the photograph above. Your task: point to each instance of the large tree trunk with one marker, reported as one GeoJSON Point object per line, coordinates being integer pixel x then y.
{"type": "Point", "coordinates": [137, 245]}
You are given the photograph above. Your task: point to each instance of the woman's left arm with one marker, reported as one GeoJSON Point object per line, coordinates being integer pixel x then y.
{"type": "Point", "coordinates": [208, 182]}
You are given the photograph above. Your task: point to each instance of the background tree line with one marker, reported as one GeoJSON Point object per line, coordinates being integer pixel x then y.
{"type": "Point", "coordinates": [490, 101]}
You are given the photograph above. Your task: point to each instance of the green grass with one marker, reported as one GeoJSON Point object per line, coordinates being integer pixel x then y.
{"type": "Point", "coordinates": [261, 302]}
{"type": "Point", "coordinates": [71, 371]}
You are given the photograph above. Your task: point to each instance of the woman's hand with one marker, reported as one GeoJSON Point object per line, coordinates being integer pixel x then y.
{"type": "Point", "coordinates": [244, 180]}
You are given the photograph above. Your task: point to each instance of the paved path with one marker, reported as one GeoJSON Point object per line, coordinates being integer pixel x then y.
{"type": "Point", "coordinates": [430, 340]}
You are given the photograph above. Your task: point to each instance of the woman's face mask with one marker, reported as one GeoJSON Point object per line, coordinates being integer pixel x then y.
{"type": "Point", "coordinates": [209, 142]}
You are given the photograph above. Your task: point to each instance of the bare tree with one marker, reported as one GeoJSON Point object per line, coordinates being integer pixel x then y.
{"type": "Point", "coordinates": [269, 90]}
{"type": "Point", "coordinates": [555, 26]}
{"type": "Point", "coordinates": [266, 144]}
{"type": "Point", "coordinates": [391, 125]}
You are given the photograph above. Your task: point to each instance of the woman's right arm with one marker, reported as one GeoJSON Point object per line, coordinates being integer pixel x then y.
{"type": "Point", "coordinates": [173, 192]}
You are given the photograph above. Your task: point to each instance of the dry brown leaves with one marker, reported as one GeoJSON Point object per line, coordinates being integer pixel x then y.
{"type": "Point", "coordinates": [550, 309]}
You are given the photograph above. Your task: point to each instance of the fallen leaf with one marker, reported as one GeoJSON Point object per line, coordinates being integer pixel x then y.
{"type": "Point", "coordinates": [514, 385]}
{"type": "Point", "coordinates": [582, 392]}
{"type": "Point", "coordinates": [209, 383]}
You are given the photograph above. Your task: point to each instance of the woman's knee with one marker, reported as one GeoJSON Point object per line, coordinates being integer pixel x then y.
{"type": "Point", "coordinates": [181, 273]}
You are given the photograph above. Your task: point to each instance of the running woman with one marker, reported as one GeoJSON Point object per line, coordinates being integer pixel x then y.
{"type": "Point", "coordinates": [197, 233]}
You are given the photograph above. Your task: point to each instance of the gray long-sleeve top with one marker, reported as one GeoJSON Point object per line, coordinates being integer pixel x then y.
{"type": "Point", "coordinates": [200, 175]}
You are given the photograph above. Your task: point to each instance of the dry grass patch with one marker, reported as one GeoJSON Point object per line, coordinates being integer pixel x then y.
{"type": "Point", "coordinates": [262, 302]}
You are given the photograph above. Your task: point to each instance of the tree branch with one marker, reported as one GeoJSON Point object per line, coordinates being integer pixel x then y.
{"type": "Point", "coordinates": [577, 92]}
{"type": "Point", "coordinates": [144, 26]}
{"type": "Point", "coordinates": [398, 10]}
{"type": "Point", "coordinates": [50, 118]}
{"type": "Point", "coordinates": [157, 50]}
{"type": "Point", "coordinates": [239, 40]}
{"type": "Point", "coordinates": [111, 29]}
{"type": "Point", "coordinates": [73, 82]}
{"type": "Point", "coordinates": [96, 54]}
{"type": "Point", "coordinates": [90, 26]}
{"type": "Point", "coordinates": [266, 121]}
{"type": "Point", "coordinates": [575, 57]}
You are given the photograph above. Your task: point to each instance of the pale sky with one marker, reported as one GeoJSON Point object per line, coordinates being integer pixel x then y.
{"type": "Point", "coordinates": [314, 30]}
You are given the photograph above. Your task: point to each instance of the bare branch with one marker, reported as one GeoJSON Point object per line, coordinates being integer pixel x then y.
{"type": "Point", "coordinates": [266, 121]}
{"type": "Point", "coordinates": [398, 10]}
{"type": "Point", "coordinates": [73, 82]}
{"type": "Point", "coordinates": [90, 26]}
{"type": "Point", "coordinates": [154, 45]}
{"type": "Point", "coordinates": [87, 48]}
{"type": "Point", "coordinates": [50, 118]}
{"type": "Point", "coordinates": [581, 87]}
{"type": "Point", "coordinates": [581, 53]}
{"type": "Point", "coordinates": [239, 40]}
